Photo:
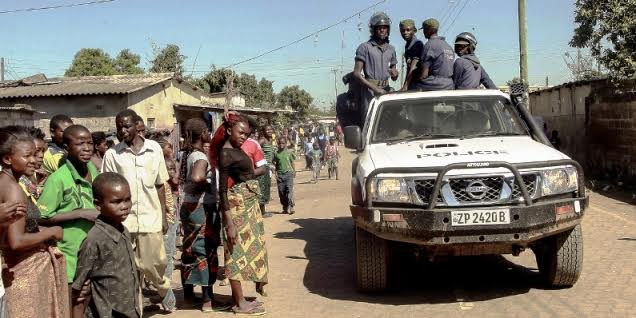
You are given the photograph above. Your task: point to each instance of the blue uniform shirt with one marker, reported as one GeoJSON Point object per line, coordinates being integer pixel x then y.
{"type": "Point", "coordinates": [469, 74]}
{"type": "Point", "coordinates": [413, 51]}
{"type": "Point", "coordinates": [377, 60]}
{"type": "Point", "coordinates": [438, 56]}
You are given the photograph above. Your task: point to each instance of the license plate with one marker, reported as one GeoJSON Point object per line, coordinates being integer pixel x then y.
{"type": "Point", "coordinates": [480, 217]}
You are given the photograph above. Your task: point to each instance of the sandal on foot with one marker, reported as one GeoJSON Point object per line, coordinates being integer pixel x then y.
{"type": "Point", "coordinates": [262, 292]}
{"type": "Point", "coordinates": [255, 311]}
{"type": "Point", "coordinates": [218, 307]}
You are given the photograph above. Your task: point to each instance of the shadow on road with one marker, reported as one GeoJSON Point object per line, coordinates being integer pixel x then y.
{"type": "Point", "coordinates": [330, 250]}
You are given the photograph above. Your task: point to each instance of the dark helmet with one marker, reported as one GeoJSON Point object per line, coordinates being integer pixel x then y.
{"type": "Point", "coordinates": [379, 19]}
{"type": "Point", "coordinates": [466, 38]}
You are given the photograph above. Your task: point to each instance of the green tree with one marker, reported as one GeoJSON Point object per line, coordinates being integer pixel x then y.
{"type": "Point", "coordinates": [295, 97]}
{"type": "Point", "coordinates": [91, 62]}
{"type": "Point", "coordinates": [248, 85]}
{"type": "Point", "coordinates": [216, 80]}
{"type": "Point", "coordinates": [127, 62]}
{"type": "Point", "coordinates": [608, 28]}
{"type": "Point", "coordinates": [265, 93]}
{"type": "Point", "coordinates": [168, 59]}
{"type": "Point", "coordinates": [259, 93]}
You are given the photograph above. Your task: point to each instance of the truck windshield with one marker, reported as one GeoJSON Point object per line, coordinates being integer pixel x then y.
{"type": "Point", "coordinates": [447, 117]}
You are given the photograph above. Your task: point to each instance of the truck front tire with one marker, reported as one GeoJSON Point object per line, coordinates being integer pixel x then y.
{"type": "Point", "coordinates": [560, 258]}
{"type": "Point", "coordinates": [371, 261]}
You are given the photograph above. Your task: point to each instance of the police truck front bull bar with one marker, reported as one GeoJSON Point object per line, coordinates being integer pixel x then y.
{"type": "Point", "coordinates": [514, 168]}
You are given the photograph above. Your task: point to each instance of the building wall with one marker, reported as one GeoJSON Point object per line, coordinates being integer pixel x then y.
{"type": "Point", "coordinates": [96, 112]}
{"type": "Point", "coordinates": [596, 124]}
{"type": "Point", "coordinates": [16, 117]}
{"type": "Point", "coordinates": [156, 102]}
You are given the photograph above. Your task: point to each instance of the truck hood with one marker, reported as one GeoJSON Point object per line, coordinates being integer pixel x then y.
{"type": "Point", "coordinates": [441, 152]}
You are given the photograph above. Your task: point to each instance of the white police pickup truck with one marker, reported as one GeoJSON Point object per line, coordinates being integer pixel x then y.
{"type": "Point", "coordinates": [465, 172]}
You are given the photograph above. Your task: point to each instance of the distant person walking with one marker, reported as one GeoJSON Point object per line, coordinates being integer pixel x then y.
{"type": "Point", "coordinates": [285, 173]}
{"type": "Point", "coordinates": [265, 181]}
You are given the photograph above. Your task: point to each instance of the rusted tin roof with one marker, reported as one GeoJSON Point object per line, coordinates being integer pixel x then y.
{"type": "Point", "coordinates": [85, 85]}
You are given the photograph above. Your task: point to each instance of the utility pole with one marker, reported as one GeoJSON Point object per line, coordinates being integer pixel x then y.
{"type": "Point", "coordinates": [335, 82]}
{"type": "Point", "coordinates": [523, 45]}
{"type": "Point", "coordinates": [229, 92]}
{"type": "Point", "coordinates": [1, 68]}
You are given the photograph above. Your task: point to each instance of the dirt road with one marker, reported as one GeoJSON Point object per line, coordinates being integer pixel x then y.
{"type": "Point", "coordinates": [312, 269]}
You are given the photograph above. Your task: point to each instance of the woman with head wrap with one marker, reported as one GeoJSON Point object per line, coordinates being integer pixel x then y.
{"type": "Point", "coordinates": [245, 253]}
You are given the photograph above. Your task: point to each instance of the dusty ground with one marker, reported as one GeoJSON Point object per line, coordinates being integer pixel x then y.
{"type": "Point", "coordinates": [312, 269]}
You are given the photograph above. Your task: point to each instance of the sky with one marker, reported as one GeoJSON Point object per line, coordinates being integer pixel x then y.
{"type": "Point", "coordinates": [222, 33]}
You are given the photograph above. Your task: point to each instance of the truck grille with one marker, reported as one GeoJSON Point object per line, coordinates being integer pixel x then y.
{"type": "Point", "coordinates": [482, 189]}
{"type": "Point", "coordinates": [475, 190]}
{"type": "Point", "coordinates": [530, 180]}
{"type": "Point", "coordinates": [424, 189]}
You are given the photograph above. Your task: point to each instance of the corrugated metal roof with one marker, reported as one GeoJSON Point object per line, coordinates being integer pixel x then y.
{"type": "Point", "coordinates": [249, 110]}
{"type": "Point", "coordinates": [85, 85]}
{"type": "Point", "coordinates": [18, 108]}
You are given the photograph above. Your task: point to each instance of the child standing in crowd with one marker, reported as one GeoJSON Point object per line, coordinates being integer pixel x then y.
{"type": "Point", "coordinates": [316, 161]}
{"type": "Point", "coordinates": [33, 185]}
{"type": "Point", "coordinates": [285, 173]}
{"type": "Point", "coordinates": [331, 158]}
{"type": "Point", "coordinates": [55, 153]}
{"type": "Point", "coordinates": [67, 198]}
{"type": "Point", "coordinates": [100, 147]}
{"type": "Point", "coordinates": [141, 161]}
{"type": "Point", "coordinates": [34, 273]}
{"type": "Point", "coordinates": [106, 256]}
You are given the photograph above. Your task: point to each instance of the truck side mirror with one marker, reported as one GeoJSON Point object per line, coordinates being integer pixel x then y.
{"type": "Point", "coordinates": [353, 137]}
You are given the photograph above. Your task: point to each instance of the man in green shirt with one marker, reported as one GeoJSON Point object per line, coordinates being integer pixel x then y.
{"type": "Point", "coordinates": [285, 173]}
{"type": "Point", "coordinates": [67, 198]}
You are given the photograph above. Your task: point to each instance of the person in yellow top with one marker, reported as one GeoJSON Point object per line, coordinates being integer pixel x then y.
{"type": "Point", "coordinates": [56, 152]}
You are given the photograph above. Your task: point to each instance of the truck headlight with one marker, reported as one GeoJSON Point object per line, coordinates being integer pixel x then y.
{"type": "Point", "coordinates": [557, 181]}
{"type": "Point", "coordinates": [390, 190]}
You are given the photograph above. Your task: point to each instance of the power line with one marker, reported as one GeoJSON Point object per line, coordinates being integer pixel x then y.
{"type": "Point", "coordinates": [309, 35]}
{"type": "Point", "coordinates": [448, 28]}
{"type": "Point", "coordinates": [57, 7]}
{"type": "Point", "coordinates": [451, 10]}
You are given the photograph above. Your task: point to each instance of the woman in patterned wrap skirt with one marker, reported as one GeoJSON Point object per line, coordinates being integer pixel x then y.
{"type": "Point", "coordinates": [35, 273]}
{"type": "Point", "coordinates": [245, 253]}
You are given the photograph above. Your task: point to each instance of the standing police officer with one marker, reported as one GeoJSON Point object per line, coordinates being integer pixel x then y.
{"type": "Point", "coordinates": [412, 52]}
{"type": "Point", "coordinates": [437, 60]}
{"type": "Point", "coordinates": [377, 60]}
{"type": "Point", "coordinates": [467, 71]}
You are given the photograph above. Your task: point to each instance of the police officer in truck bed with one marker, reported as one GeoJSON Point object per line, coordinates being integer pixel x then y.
{"type": "Point", "coordinates": [468, 73]}
{"type": "Point", "coordinates": [436, 60]}
{"type": "Point", "coordinates": [377, 59]}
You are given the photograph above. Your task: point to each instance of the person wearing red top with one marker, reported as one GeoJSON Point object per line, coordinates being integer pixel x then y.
{"type": "Point", "coordinates": [339, 133]}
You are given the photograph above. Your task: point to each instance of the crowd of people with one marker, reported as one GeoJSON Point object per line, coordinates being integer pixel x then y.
{"type": "Point", "coordinates": [90, 228]}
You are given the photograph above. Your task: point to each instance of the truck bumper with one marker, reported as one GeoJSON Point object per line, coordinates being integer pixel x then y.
{"type": "Point", "coordinates": [434, 227]}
